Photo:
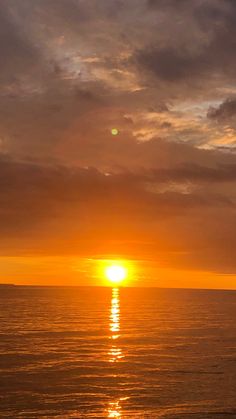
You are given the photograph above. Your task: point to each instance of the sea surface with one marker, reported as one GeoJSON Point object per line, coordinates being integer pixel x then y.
{"type": "Point", "coordinates": [117, 353]}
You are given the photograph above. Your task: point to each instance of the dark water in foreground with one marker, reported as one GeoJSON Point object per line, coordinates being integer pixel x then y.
{"type": "Point", "coordinates": [103, 353]}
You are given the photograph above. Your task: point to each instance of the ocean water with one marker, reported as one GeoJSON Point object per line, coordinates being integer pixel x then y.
{"type": "Point", "coordinates": [110, 353]}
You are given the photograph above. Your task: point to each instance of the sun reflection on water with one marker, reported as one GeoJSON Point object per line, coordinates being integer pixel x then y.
{"type": "Point", "coordinates": [115, 353]}
{"type": "Point", "coordinates": [114, 409]}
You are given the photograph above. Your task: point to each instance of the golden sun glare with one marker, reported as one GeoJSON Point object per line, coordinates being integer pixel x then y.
{"type": "Point", "coordinates": [116, 273]}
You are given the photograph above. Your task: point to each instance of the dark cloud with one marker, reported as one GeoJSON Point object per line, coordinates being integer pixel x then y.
{"type": "Point", "coordinates": [225, 111]}
{"type": "Point", "coordinates": [32, 193]}
{"type": "Point", "coordinates": [195, 173]}
{"type": "Point", "coordinates": [166, 3]}
{"type": "Point", "coordinates": [209, 48]}
{"type": "Point", "coordinates": [17, 53]}
{"type": "Point", "coordinates": [168, 63]}
{"type": "Point", "coordinates": [166, 124]}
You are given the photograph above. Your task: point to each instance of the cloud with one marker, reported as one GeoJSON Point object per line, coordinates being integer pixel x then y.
{"type": "Point", "coordinates": [17, 52]}
{"type": "Point", "coordinates": [166, 4]}
{"type": "Point", "coordinates": [208, 49]}
{"type": "Point", "coordinates": [48, 209]}
{"type": "Point", "coordinates": [224, 112]}
{"type": "Point", "coordinates": [168, 63]}
{"type": "Point", "coordinates": [68, 62]}
{"type": "Point", "coordinates": [196, 173]}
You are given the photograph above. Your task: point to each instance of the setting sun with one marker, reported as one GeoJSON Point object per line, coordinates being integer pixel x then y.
{"type": "Point", "coordinates": [116, 273]}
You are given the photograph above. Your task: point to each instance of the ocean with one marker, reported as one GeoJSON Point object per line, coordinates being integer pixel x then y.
{"type": "Point", "coordinates": [94, 352]}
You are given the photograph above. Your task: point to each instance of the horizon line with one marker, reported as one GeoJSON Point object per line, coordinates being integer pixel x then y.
{"type": "Point", "coordinates": [109, 286]}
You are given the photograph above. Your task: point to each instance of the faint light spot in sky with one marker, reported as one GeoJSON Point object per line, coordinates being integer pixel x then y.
{"type": "Point", "coordinates": [115, 131]}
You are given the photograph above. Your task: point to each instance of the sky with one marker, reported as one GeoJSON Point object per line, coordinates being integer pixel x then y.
{"type": "Point", "coordinates": [162, 192]}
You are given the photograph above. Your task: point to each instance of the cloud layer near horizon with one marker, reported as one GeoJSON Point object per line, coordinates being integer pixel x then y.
{"type": "Point", "coordinates": [163, 74]}
{"type": "Point", "coordinates": [182, 216]}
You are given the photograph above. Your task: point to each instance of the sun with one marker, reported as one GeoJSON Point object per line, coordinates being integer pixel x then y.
{"type": "Point", "coordinates": [116, 273]}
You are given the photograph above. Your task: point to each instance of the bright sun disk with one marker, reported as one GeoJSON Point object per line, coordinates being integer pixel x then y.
{"type": "Point", "coordinates": [116, 273]}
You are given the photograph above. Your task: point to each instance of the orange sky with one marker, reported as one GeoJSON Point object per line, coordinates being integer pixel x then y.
{"type": "Point", "coordinates": [74, 271]}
